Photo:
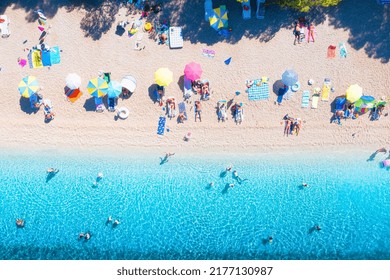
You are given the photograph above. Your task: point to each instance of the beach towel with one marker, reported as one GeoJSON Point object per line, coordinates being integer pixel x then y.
{"type": "Point", "coordinates": [314, 100]}
{"type": "Point", "coordinates": [305, 99]}
{"type": "Point", "coordinates": [182, 109]}
{"type": "Point", "coordinates": [331, 51]}
{"type": "Point", "coordinates": [208, 53]}
{"type": "Point", "coordinates": [35, 59]}
{"type": "Point", "coordinates": [326, 90]}
{"type": "Point", "coordinates": [55, 57]}
{"type": "Point", "coordinates": [259, 90]}
{"type": "Point", "coordinates": [161, 125]}
{"type": "Point", "coordinates": [343, 50]}
{"type": "Point", "coordinates": [46, 60]}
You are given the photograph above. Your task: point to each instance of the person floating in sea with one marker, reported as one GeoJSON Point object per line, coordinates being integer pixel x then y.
{"type": "Point", "coordinates": [211, 184]}
{"type": "Point", "coordinates": [166, 157]}
{"type": "Point", "coordinates": [317, 227]}
{"type": "Point", "coordinates": [87, 236]}
{"type": "Point", "coordinates": [270, 239]}
{"type": "Point", "coordinates": [305, 185]}
{"type": "Point", "coordinates": [20, 223]}
{"type": "Point", "coordinates": [231, 185]}
{"type": "Point", "coordinates": [52, 170]}
{"type": "Point", "coordinates": [116, 223]}
{"type": "Point", "coordinates": [81, 235]}
{"type": "Point", "coordinates": [229, 168]}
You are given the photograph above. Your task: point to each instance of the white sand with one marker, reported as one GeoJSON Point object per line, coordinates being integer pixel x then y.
{"type": "Point", "coordinates": [74, 127]}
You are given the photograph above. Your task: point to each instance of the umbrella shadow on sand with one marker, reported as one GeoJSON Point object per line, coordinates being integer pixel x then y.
{"type": "Point", "coordinates": [152, 95]}
{"type": "Point", "coordinates": [89, 105]}
{"type": "Point", "coordinates": [25, 106]}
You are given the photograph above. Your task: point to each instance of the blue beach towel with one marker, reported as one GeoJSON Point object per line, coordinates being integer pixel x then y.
{"type": "Point", "coordinates": [343, 50]}
{"type": "Point", "coordinates": [161, 125]}
{"type": "Point", "coordinates": [55, 55]}
{"type": "Point", "coordinates": [46, 60]}
{"type": "Point", "coordinates": [258, 92]}
{"type": "Point", "coordinates": [305, 99]}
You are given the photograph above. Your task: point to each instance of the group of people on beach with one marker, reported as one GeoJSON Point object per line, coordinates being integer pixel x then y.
{"type": "Point", "coordinates": [202, 88]}
{"type": "Point", "coordinates": [292, 125]}
{"type": "Point", "coordinates": [299, 31]}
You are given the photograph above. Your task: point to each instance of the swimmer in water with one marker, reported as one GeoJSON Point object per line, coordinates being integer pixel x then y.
{"type": "Point", "coordinates": [317, 227]}
{"type": "Point", "coordinates": [211, 184]}
{"type": "Point", "coordinates": [109, 219]}
{"type": "Point", "coordinates": [52, 170]}
{"type": "Point", "coordinates": [270, 239]}
{"type": "Point", "coordinates": [100, 175]}
{"type": "Point", "coordinates": [116, 222]}
{"type": "Point", "coordinates": [305, 185]}
{"type": "Point", "coordinates": [87, 236]}
{"type": "Point", "coordinates": [231, 185]}
{"type": "Point", "coordinates": [229, 168]}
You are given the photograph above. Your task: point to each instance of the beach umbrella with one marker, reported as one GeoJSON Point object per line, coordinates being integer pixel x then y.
{"type": "Point", "coordinates": [353, 93]}
{"type": "Point", "coordinates": [193, 71]}
{"type": "Point", "coordinates": [114, 89]}
{"type": "Point", "coordinates": [366, 102]}
{"type": "Point", "coordinates": [129, 83]}
{"type": "Point", "coordinates": [289, 77]}
{"type": "Point", "coordinates": [28, 86]}
{"type": "Point", "coordinates": [163, 77]}
{"type": "Point", "coordinates": [219, 19]}
{"type": "Point", "coordinates": [73, 81]}
{"type": "Point", "coordinates": [97, 87]}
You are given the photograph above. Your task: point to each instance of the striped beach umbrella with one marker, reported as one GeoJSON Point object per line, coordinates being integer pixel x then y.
{"type": "Point", "coordinates": [97, 87]}
{"type": "Point", "coordinates": [219, 19]}
{"type": "Point", "coordinates": [28, 86]}
{"type": "Point", "coordinates": [163, 77]}
{"type": "Point", "coordinates": [114, 89]}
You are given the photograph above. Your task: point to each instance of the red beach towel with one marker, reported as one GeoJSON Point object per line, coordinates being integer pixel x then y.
{"type": "Point", "coordinates": [331, 51]}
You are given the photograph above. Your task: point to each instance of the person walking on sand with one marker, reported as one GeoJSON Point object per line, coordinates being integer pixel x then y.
{"type": "Point", "coordinates": [310, 32]}
{"type": "Point", "coordinates": [198, 110]}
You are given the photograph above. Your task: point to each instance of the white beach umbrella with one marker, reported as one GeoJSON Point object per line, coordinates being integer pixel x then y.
{"type": "Point", "coordinates": [73, 81]}
{"type": "Point", "coordinates": [129, 82]}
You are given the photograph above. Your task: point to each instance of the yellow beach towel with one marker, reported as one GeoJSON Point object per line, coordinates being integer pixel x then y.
{"type": "Point", "coordinates": [314, 101]}
{"type": "Point", "coordinates": [36, 59]}
{"type": "Point", "coordinates": [325, 91]}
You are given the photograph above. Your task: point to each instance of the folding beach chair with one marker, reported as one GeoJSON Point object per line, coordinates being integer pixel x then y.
{"type": "Point", "coordinates": [305, 99]}
{"type": "Point", "coordinates": [99, 104]}
{"type": "Point", "coordinates": [111, 104]}
{"type": "Point", "coordinates": [246, 10]}
{"type": "Point", "coordinates": [326, 90]}
{"type": "Point", "coordinates": [187, 88]}
{"type": "Point", "coordinates": [182, 110]}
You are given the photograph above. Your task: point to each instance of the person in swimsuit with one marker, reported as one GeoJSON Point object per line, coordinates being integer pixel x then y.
{"type": "Point", "coordinates": [297, 33]}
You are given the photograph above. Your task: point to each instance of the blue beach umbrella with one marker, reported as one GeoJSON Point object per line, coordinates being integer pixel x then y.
{"type": "Point", "coordinates": [289, 77]}
{"type": "Point", "coordinates": [114, 89]}
{"type": "Point", "coordinates": [219, 19]}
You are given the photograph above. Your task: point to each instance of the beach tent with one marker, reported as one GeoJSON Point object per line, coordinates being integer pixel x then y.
{"type": "Point", "coordinates": [354, 92]}
{"type": "Point", "coordinates": [28, 86]}
{"type": "Point", "coordinates": [129, 83]}
{"type": "Point", "coordinates": [163, 76]}
{"type": "Point", "coordinates": [219, 19]}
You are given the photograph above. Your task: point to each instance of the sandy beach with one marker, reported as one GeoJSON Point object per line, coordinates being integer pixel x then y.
{"type": "Point", "coordinates": [257, 47]}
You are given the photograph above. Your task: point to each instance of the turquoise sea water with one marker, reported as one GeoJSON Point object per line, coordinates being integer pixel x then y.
{"type": "Point", "coordinates": [169, 211]}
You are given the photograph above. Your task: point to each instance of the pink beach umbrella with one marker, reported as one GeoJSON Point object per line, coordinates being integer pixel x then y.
{"type": "Point", "coordinates": [193, 71]}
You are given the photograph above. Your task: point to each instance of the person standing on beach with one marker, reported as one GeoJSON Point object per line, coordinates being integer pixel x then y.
{"type": "Point", "coordinates": [198, 110]}
{"type": "Point", "coordinates": [297, 33]}
{"type": "Point", "coordinates": [310, 32]}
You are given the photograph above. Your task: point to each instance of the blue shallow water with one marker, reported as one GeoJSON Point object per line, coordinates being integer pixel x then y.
{"type": "Point", "coordinates": [169, 211]}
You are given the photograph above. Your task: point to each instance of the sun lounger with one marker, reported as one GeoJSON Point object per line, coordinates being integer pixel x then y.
{"type": "Point", "coordinates": [246, 9]}
{"type": "Point", "coordinates": [187, 88]}
{"type": "Point", "coordinates": [4, 26]}
{"type": "Point", "coordinates": [99, 104]}
{"type": "Point", "coordinates": [305, 99]}
{"type": "Point", "coordinates": [326, 90]}
{"type": "Point", "coordinates": [260, 11]}
{"type": "Point", "coordinates": [314, 100]}
{"type": "Point", "coordinates": [111, 104]}
{"type": "Point", "coordinates": [175, 38]}
{"type": "Point", "coordinates": [222, 106]}
{"type": "Point", "coordinates": [182, 110]}
{"type": "Point", "coordinates": [161, 125]}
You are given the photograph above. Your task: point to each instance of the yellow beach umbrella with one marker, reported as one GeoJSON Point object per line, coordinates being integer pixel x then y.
{"type": "Point", "coordinates": [353, 93]}
{"type": "Point", "coordinates": [97, 87]}
{"type": "Point", "coordinates": [28, 86]}
{"type": "Point", "coordinates": [163, 76]}
{"type": "Point", "coordinates": [220, 18]}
